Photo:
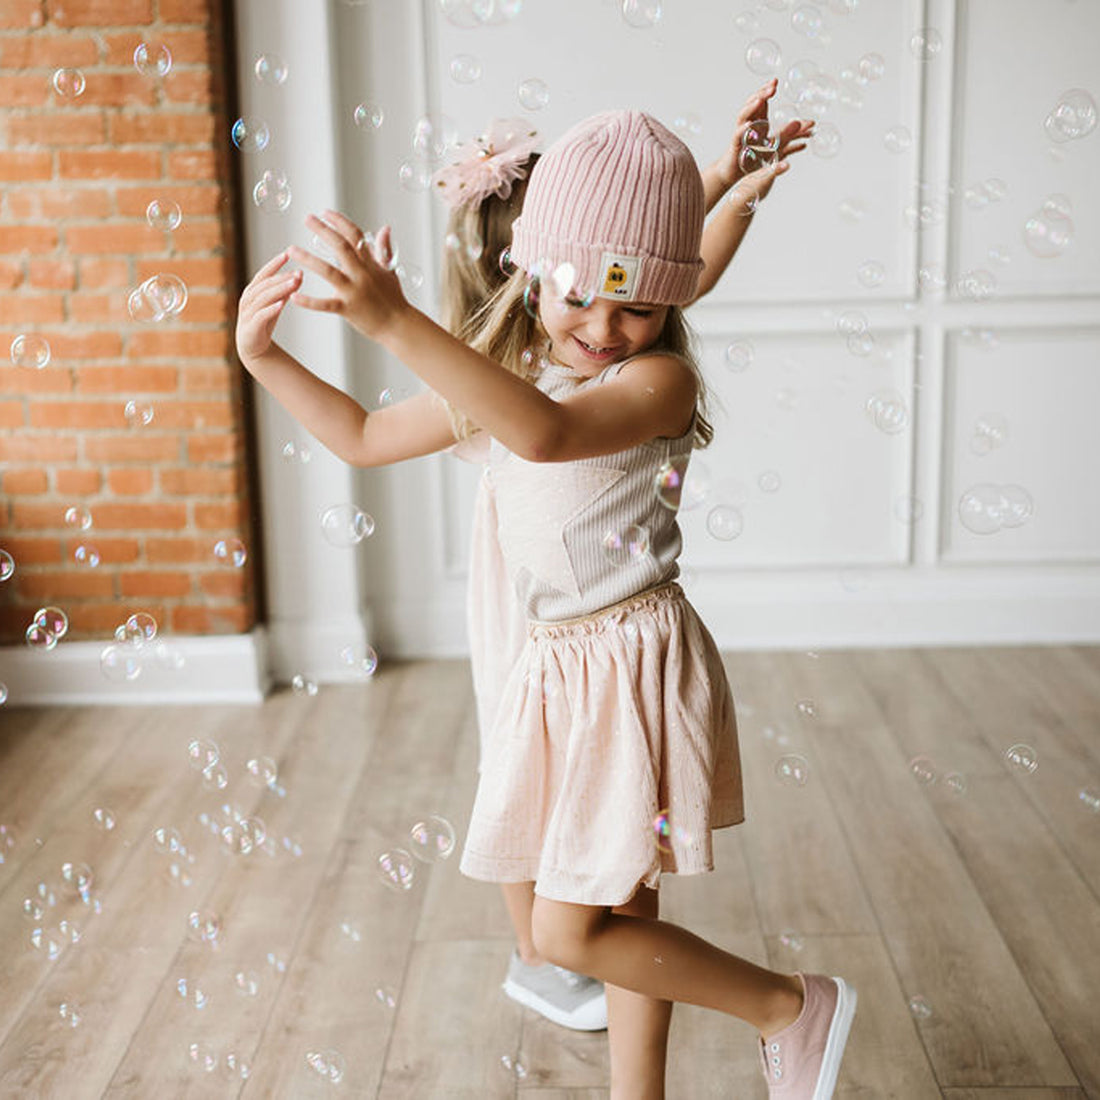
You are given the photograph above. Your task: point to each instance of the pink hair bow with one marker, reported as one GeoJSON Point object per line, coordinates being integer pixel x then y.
{"type": "Point", "coordinates": [488, 165]}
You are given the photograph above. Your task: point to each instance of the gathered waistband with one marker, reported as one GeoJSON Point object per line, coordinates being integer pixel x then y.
{"type": "Point", "coordinates": [598, 621]}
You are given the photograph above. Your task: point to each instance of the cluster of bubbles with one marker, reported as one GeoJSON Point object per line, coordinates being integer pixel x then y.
{"type": "Point", "coordinates": [136, 646]}
{"type": "Point", "coordinates": [152, 59]}
{"type": "Point", "coordinates": [346, 525]}
{"type": "Point", "coordinates": [627, 546]}
{"type": "Point", "coordinates": [231, 1065]}
{"type": "Point", "coordinates": [272, 192]}
{"type": "Point", "coordinates": [926, 772]}
{"type": "Point", "coordinates": [513, 1066]}
{"type": "Point", "coordinates": [470, 14]}
{"type": "Point", "coordinates": [47, 628]}
{"type": "Point", "coordinates": [431, 840]}
{"type": "Point", "coordinates": [329, 1065]}
{"type": "Point", "coordinates": [56, 909]}
{"type": "Point", "coordinates": [986, 509]}
{"type": "Point", "coordinates": [158, 298]}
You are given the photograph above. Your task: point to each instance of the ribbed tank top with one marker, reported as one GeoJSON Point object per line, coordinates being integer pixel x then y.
{"type": "Point", "coordinates": [554, 517]}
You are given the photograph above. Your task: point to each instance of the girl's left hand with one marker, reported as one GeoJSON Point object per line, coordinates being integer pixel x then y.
{"type": "Point", "coordinates": [367, 294]}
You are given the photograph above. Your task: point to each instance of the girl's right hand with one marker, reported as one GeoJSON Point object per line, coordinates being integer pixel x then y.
{"type": "Point", "coordinates": [262, 301]}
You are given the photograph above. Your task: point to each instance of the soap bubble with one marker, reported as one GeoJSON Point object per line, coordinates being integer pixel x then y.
{"type": "Point", "coordinates": [1089, 798]}
{"type": "Point", "coordinates": [235, 1068]}
{"type": "Point", "coordinates": [163, 214]}
{"type": "Point", "coordinates": [791, 940]}
{"type": "Point", "coordinates": [763, 56]}
{"type": "Point", "coordinates": [158, 297]}
{"type": "Point", "coordinates": [769, 481]}
{"type": "Point", "coordinates": [77, 877]}
{"type": "Point", "coordinates": [270, 68]}
{"type": "Point", "coordinates": [871, 273]}
{"type": "Point", "coordinates": [897, 139]}
{"type": "Point", "coordinates": [329, 1065]}
{"type": "Point", "coordinates": [247, 982]}
{"type": "Point", "coordinates": [140, 628]}
{"type": "Point", "coordinates": [533, 94]}
{"type": "Point", "coordinates": [230, 552]}
{"type": "Point", "coordinates": [368, 116]}
{"type": "Point", "coordinates": [955, 781]}
{"type": "Point", "coordinates": [465, 69]}
{"type": "Point", "coordinates": [414, 176]}
{"type": "Point", "coordinates": [70, 1013]}
{"type": "Point", "coordinates": [153, 59]}
{"type": "Point", "coordinates": [215, 777]}
{"type": "Point", "coordinates": [739, 355]}
{"type": "Point", "coordinates": [78, 518]}
{"type": "Point", "coordinates": [861, 344]}
{"type": "Point", "coordinates": [1048, 233]}
{"type": "Point", "coordinates": [138, 414]}
{"type": "Point", "coordinates": [641, 14]}
{"type": "Point", "coordinates": [345, 525]}
{"type": "Point", "coordinates": [69, 83]}
{"type": "Point", "coordinates": [191, 993]}
{"type": "Point", "coordinates": [746, 22]}
{"type": "Point", "coordinates": [39, 638]}
{"type": "Point", "coordinates": [924, 770]}
{"type": "Point", "coordinates": [7, 565]}
{"type": "Point", "coordinates": [792, 770]}
{"type": "Point", "coordinates": [263, 771]}
{"type": "Point", "coordinates": [806, 20]}
{"type": "Point", "coordinates": [362, 659]}
{"type": "Point", "coordinates": [53, 620]}
{"type": "Point", "coordinates": [396, 870]}
{"type": "Point", "coordinates": [434, 137]}
{"type": "Point", "coordinates": [1073, 116]}
{"type": "Point", "coordinates": [385, 997]}
{"type": "Point", "coordinates": [1023, 757]}
{"type": "Point", "coordinates": [30, 350]}
{"type": "Point", "coordinates": [204, 926]}
{"type": "Point", "coordinates": [104, 818]}
{"type": "Point", "coordinates": [630, 546]}
{"type": "Point", "coordinates": [272, 192]}
{"type": "Point", "coordinates": [433, 838]}
{"type": "Point", "coordinates": [201, 754]}
{"type": "Point", "coordinates": [826, 140]}
{"type": "Point", "coordinates": [673, 487]}
{"type": "Point", "coordinates": [250, 135]}
{"type": "Point", "coordinates": [3, 700]}
{"type": "Point", "coordinates": [513, 1066]}
{"type": "Point", "coordinates": [926, 43]}
{"type": "Point", "coordinates": [919, 1008]}
{"type": "Point", "coordinates": [872, 66]}
{"type": "Point", "coordinates": [725, 522]}
{"type": "Point", "coordinates": [976, 285]}
{"type": "Point", "coordinates": [687, 125]}
{"type": "Point", "coordinates": [887, 410]}
{"type": "Point", "coordinates": [300, 685]}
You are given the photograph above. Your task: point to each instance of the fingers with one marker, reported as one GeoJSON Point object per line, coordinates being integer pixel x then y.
{"type": "Point", "coordinates": [320, 267]}
{"type": "Point", "coordinates": [344, 226]}
{"type": "Point", "coordinates": [272, 292]}
{"type": "Point", "coordinates": [334, 238]}
{"type": "Point", "coordinates": [321, 305]}
{"type": "Point", "coordinates": [271, 266]}
{"type": "Point", "coordinates": [261, 286]}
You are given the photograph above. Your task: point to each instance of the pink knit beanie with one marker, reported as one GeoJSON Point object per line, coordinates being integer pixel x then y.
{"type": "Point", "coordinates": [620, 198]}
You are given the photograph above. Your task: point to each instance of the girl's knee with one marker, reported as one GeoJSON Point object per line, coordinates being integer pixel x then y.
{"type": "Point", "coordinates": [562, 932]}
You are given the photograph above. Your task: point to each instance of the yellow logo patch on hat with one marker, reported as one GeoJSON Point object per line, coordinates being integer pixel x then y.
{"type": "Point", "coordinates": [619, 276]}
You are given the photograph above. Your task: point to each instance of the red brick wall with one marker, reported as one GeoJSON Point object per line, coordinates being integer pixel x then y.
{"type": "Point", "coordinates": [75, 178]}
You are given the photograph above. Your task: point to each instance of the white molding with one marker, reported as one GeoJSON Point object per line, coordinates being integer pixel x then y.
{"type": "Point", "coordinates": [227, 668]}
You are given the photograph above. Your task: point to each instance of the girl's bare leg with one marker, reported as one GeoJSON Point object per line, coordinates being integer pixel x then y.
{"type": "Point", "coordinates": [519, 898]}
{"type": "Point", "coordinates": [637, 1026]}
{"type": "Point", "coordinates": [664, 962]}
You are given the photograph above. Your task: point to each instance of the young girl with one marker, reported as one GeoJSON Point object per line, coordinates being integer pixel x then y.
{"type": "Point", "coordinates": [617, 709]}
{"type": "Point", "coordinates": [484, 189]}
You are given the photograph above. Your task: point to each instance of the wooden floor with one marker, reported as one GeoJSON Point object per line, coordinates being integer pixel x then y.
{"type": "Point", "coordinates": [983, 901]}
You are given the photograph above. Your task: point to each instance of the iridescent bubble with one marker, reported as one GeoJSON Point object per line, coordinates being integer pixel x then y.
{"type": "Point", "coordinates": [33, 909]}
{"type": "Point", "coordinates": [270, 68]}
{"type": "Point", "coordinates": [870, 273]}
{"type": "Point", "coordinates": [926, 43]}
{"type": "Point", "coordinates": [250, 135]}
{"type": "Point", "coordinates": [368, 116]}
{"type": "Point", "coordinates": [345, 525]}
{"type": "Point", "coordinates": [215, 777]}
{"type": "Point", "coordinates": [662, 831]}
{"type": "Point", "coordinates": [163, 214]}
{"type": "Point", "coordinates": [362, 659]}
{"type": "Point", "coordinates": [230, 552]}
{"type": "Point", "coordinates": [434, 137]}
{"type": "Point", "coordinates": [990, 432]}
{"type": "Point", "coordinates": [465, 69]}
{"type": "Point", "coordinates": [385, 997]}
{"type": "Point", "coordinates": [725, 522]}
{"type": "Point", "coordinates": [159, 297]}
{"type": "Point", "coordinates": [69, 83]}
{"type": "Point", "coordinates": [167, 840]}
{"type": "Point", "coordinates": [746, 22]}
{"type": "Point", "coordinates": [919, 1008]}
{"type": "Point", "coordinates": [1023, 757]}
{"type": "Point", "coordinates": [52, 619]}
{"type": "Point", "coordinates": [263, 771]}
{"type": "Point", "coordinates": [235, 1068]}
{"type": "Point", "coordinates": [433, 838]}
{"type": "Point", "coordinates": [977, 285]}
{"type": "Point", "coordinates": [272, 192]}
{"type": "Point", "coordinates": [791, 939]}
{"type": "Point", "coordinates": [292, 846]}
{"type": "Point", "coordinates": [138, 414]}
{"type": "Point", "coordinates": [104, 818]}
{"type": "Point", "coordinates": [897, 139]}
{"type": "Point", "coordinates": [1089, 798]}
{"type": "Point", "coordinates": [296, 453]}
{"type": "Point", "coordinates": [513, 1066]}
{"type": "Point", "coordinates": [247, 982]}
{"type": "Point", "coordinates": [77, 877]}
{"type": "Point", "coordinates": [3, 700]}
{"type": "Point", "coordinates": [202, 754]}
{"type": "Point", "coordinates": [806, 20]}
{"type": "Point", "coordinates": [48, 942]}
{"type": "Point", "coordinates": [396, 870]}
{"type": "Point", "coordinates": [189, 991]}
{"type": "Point", "coordinates": [826, 140]}
{"type": "Point", "coordinates": [276, 963]}
{"type": "Point", "coordinates": [629, 546]}
{"type": "Point", "coordinates": [411, 276]}
{"type": "Point", "coordinates": [769, 481]}
{"type": "Point", "coordinates": [1048, 233]}
{"type": "Point", "coordinates": [641, 14]}
{"type": "Point", "coordinates": [533, 94]}
{"type": "Point", "coordinates": [7, 565]}
{"type": "Point", "coordinates": [739, 355]}
{"type": "Point", "coordinates": [204, 926]}
{"type": "Point", "coordinates": [872, 66]}
{"type": "Point", "coordinates": [852, 210]}
{"type": "Point", "coordinates": [329, 1065]}
{"type": "Point", "coordinates": [887, 410]}
{"type": "Point", "coordinates": [852, 321]}
{"type": "Point", "coordinates": [792, 770]}
{"type": "Point", "coordinates": [39, 638]}
{"type": "Point", "coordinates": [351, 930]}
{"type": "Point", "coordinates": [30, 350]}
{"type": "Point", "coordinates": [301, 685]}
{"type": "Point", "coordinates": [955, 781]}
{"type": "Point", "coordinates": [763, 56]}
{"type": "Point", "coordinates": [153, 59]}
{"type": "Point", "coordinates": [460, 13]}
{"type": "Point", "coordinates": [924, 770]}
{"type": "Point", "coordinates": [495, 12]}
{"type": "Point", "coordinates": [1073, 116]}
{"type": "Point", "coordinates": [70, 1013]}
{"type": "Point", "coordinates": [414, 176]}
{"type": "Point", "coordinates": [140, 628]}
{"type": "Point", "coordinates": [78, 518]}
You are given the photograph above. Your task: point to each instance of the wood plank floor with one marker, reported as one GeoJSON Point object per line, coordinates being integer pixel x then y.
{"type": "Point", "coordinates": [977, 892]}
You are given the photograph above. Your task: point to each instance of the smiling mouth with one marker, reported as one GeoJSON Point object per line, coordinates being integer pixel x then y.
{"type": "Point", "coordinates": [599, 352]}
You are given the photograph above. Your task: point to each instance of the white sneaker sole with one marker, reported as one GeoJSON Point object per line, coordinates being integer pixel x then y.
{"type": "Point", "coordinates": [838, 1038]}
{"type": "Point", "coordinates": [544, 1008]}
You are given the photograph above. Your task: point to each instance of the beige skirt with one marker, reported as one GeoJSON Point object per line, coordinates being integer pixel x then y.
{"type": "Point", "coordinates": [611, 757]}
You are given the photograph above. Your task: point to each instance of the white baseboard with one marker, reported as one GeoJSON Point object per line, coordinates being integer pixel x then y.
{"type": "Point", "coordinates": [228, 668]}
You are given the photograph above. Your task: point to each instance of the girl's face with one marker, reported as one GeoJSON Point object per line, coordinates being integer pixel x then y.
{"type": "Point", "coordinates": [588, 338]}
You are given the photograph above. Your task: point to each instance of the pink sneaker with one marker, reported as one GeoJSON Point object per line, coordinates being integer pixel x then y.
{"type": "Point", "coordinates": [801, 1061]}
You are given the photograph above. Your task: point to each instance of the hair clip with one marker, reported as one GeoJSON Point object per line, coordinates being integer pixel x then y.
{"type": "Point", "coordinates": [488, 165]}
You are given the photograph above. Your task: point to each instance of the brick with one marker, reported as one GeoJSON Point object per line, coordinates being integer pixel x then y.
{"type": "Point", "coordinates": [130, 480]}
{"type": "Point", "coordinates": [52, 274]}
{"type": "Point", "coordinates": [16, 167]}
{"type": "Point", "coordinates": [198, 481]}
{"type": "Point", "coordinates": [70, 128]}
{"type": "Point", "coordinates": [11, 416]}
{"type": "Point", "coordinates": [31, 447]}
{"type": "Point", "coordinates": [195, 414]}
{"type": "Point", "coordinates": [19, 14]}
{"type": "Point", "coordinates": [199, 235]}
{"type": "Point", "coordinates": [71, 345]}
{"type": "Point", "coordinates": [194, 86]}
{"type": "Point", "coordinates": [77, 414]}
{"type": "Point", "coordinates": [56, 203]}
{"type": "Point", "coordinates": [28, 238]}
{"type": "Point", "coordinates": [55, 585]}
{"type": "Point", "coordinates": [128, 90]}
{"type": "Point", "coordinates": [224, 447]}
{"type": "Point", "coordinates": [188, 47]}
{"type": "Point", "coordinates": [95, 619]}
{"type": "Point", "coordinates": [116, 515]}
{"type": "Point", "coordinates": [176, 344]}
{"type": "Point", "coordinates": [26, 89]}
{"type": "Point", "coordinates": [32, 51]}
{"type": "Point", "coordinates": [179, 551]}
{"type": "Point", "coordinates": [91, 164]}
{"type": "Point", "coordinates": [163, 127]}
{"type": "Point", "coordinates": [195, 273]}
{"type": "Point", "coordinates": [198, 164]}
{"type": "Point", "coordinates": [220, 517]}
{"type": "Point", "coordinates": [139, 446]}
{"type": "Point", "coordinates": [38, 516]}
{"type": "Point", "coordinates": [99, 13]}
{"type": "Point", "coordinates": [79, 482]}
{"type": "Point", "coordinates": [97, 309]}
{"type": "Point", "coordinates": [28, 550]}
{"type": "Point", "coordinates": [112, 551]}
{"type": "Point", "coordinates": [196, 199]}
{"type": "Point", "coordinates": [127, 380]}
{"type": "Point", "coordinates": [206, 307]}
{"type": "Point", "coordinates": [32, 309]}
{"type": "Point", "coordinates": [11, 274]}
{"type": "Point", "coordinates": [211, 620]}
{"type": "Point", "coordinates": [227, 582]}
{"type": "Point", "coordinates": [125, 239]}
{"type": "Point", "coordinates": [101, 274]}
{"type": "Point", "coordinates": [53, 379]}
{"type": "Point", "coordinates": [215, 378]}
{"type": "Point", "coordinates": [183, 11]}
{"type": "Point", "coordinates": [27, 482]}
{"type": "Point", "coordinates": [148, 583]}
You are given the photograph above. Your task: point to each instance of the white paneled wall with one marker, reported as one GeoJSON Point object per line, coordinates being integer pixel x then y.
{"type": "Point", "coordinates": [983, 358]}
